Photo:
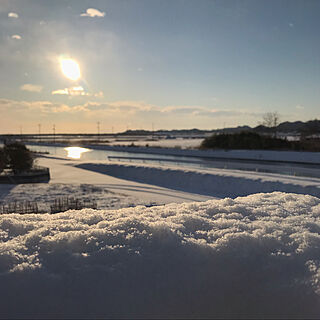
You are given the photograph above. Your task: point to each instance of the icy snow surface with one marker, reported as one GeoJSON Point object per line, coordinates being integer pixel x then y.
{"type": "Point", "coordinates": [214, 182]}
{"type": "Point", "coordinates": [255, 256]}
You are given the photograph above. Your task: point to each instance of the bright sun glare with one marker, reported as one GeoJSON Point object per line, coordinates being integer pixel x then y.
{"type": "Point", "coordinates": [70, 69]}
{"type": "Point", "coordinates": [75, 152]}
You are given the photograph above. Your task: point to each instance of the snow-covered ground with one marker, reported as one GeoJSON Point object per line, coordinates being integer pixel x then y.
{"type": "Point", "coordinates": [109, 192]}
{"type": "Point", "coordinates": [255, 256]}
{"type": "Point", "coordinates": [250, 257]}
{"type": "Point", "coordinates": [214, 182]}
{"type": "Point", "coordinates": [115, 185]}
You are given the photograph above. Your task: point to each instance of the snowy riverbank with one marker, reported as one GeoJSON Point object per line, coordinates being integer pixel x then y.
{"type": "Point", "coordinates": [256, 256]}
{"type": "Point", "coordinates": [214, 182]}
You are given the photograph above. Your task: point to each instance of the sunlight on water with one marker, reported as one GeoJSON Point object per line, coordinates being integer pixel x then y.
{"type": "Point", "coordinates": [75, 152]}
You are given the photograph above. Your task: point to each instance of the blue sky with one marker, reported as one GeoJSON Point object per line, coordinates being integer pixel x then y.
{"type": "Point", "coordinates": [176, 64]}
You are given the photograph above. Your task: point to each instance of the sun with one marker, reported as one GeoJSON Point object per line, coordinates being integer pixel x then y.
{"type": "Point", "coordinates": [70, 68]}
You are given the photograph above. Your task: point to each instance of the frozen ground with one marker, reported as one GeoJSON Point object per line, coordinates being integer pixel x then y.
{"type": "Point", "coordinates": [250, 257]}
{"type": "Point", "coordinates": [44, 194]}
{"type": "Point", "coordinates": [214, 182]}
{"type": "Point", "coordinates": [118, 185]}
{"type": "Point", "coordinates": [109, 192]}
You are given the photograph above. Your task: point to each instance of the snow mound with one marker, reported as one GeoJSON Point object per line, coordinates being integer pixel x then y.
{"type": "Point", "coordinates": [254, 256]}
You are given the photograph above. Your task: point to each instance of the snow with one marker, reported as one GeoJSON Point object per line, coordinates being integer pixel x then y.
{"type": "Point", "coordinates": [254, 256]}
{"type": "Point", "coordinates": [109, 192]}
{"type": "Point", "coordinates": [214, 182]}
{"type": "Point", "coordinates": [45, 193]}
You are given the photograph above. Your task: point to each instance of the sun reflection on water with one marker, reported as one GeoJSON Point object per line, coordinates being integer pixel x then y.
{"type": "Point", "coordinates": [76, 152]}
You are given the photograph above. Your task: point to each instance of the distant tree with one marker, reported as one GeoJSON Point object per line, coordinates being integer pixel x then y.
{"type": "Point", "coordinates": [311, 127]}
{"type": "Point", "coordinates": [19, 157]}
{"type": "Point", "coordinates": [3, 160]}
{"type": "Point", "coordinates": [271, 120]}
{"type": "Point", "coordinates": [245, 140]}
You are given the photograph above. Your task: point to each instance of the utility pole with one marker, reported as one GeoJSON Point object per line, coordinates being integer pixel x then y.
{"type": "Point", "coordinates": [98, 128]}
{"type": "Point", "coordinates": [39, 130]}
{"type": "Point", "coordinates": [54, 133]}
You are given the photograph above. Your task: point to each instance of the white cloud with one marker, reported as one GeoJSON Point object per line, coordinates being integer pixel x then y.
{"type": "Point", "coordinates": [291, 25]}
{"type": "Point", "coordinates": [72, 91]}
{"type": "Point", "coordinates": [61, 91]}
{"type": "Point", "coordinates": [13, 15]}
{"type": "Point", "coordinates": [91, 12]}
{"type": "Point", "coordinates": [31, 87]}
{"type": "Point", "coordinates": [299, 107]}
{"type": "Point", "coordinates": [16, 36]}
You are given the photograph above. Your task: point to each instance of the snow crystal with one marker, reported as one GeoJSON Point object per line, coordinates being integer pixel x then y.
{"type": "Point", "coordinates": [255, 256]}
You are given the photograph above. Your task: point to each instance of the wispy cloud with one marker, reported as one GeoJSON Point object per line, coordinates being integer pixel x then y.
{"type": "Point", "coordinates": [126, 107]}
{"type": "Point", "coordinates": [61, 91]}
{"type": "Point", "coordinates": [13, 15]}
{"type": "Point", "coordinates": [91, 12]}
{"type": "Point", "coordinates": [206, 112]}
{"type": "Point", "coordinates": [37, 106]}
{"type": "Point", "coordinates": [31, 87]}
{"type": "Point", "coordinates": [137, 113]}
{"type": "Point", "coordinates": [16, 37]}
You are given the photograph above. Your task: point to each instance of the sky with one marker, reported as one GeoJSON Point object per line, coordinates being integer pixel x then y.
{"type": "Point", "coordinates": [157, 64]}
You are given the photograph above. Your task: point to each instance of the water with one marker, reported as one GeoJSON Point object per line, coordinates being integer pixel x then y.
{"type": "Point", "coordinates": [93, 154]}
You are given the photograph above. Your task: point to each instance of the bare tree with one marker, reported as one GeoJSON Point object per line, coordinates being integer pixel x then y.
{"type": "Point", "coordinates": [271, 120]}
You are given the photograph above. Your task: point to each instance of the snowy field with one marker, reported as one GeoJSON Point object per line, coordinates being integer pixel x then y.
{"type": "Point", "coordinates": [256, 256]}
{"type": "Point", "coordinates": [115, 185]}
{"type": "Point", "coordinates": [109, 192]}
{"type": "Point", "coordinates": [214, 182]}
